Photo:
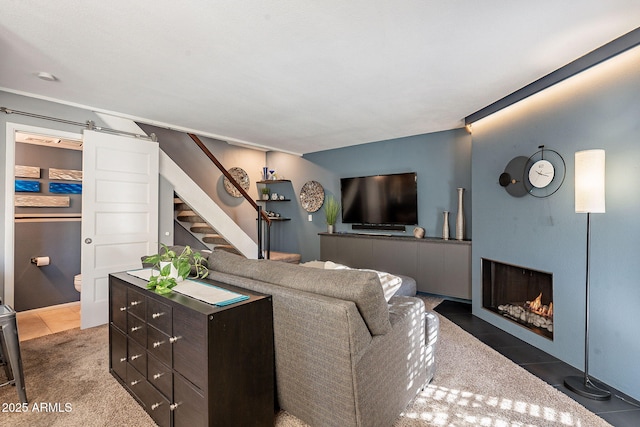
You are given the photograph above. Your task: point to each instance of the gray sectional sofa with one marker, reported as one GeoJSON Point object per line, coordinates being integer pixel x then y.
{"type": "Point", "coordinates": [344, 356]}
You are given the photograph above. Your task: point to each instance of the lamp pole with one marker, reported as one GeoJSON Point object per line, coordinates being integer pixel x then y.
{"type": "Point", "coordinates": [589, 198]}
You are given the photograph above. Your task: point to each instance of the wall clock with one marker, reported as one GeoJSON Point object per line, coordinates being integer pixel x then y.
{"type": "Point", "coordinates": [544, 172]}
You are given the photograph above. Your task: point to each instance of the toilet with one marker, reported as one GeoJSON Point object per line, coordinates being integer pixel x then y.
{"type": "Point", "coordinates": [77, 282]}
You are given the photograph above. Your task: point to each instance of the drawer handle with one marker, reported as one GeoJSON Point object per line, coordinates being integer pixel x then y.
{"type": "Point", "coordinates": [156, 315]}
{"type": "Point", "coordinates": [123, 359]}
{"type": "Point", "coordinates": [135, 356]}
{"type": "Point", "coordinates": [173, 406]}
{"type": "Point", "coordinates": [134, 382]}
{"type": "Point", "coordinates": [158, 375]}
{"type": "Point", "coordinates": [135, 328]}
{"type": "Point", "coordinates": [173, 339]}
{"type": "Point", "coordinates": [155, 406]}
{"type": "Point", "coordinates": [157, 344]}
{"type": "Point", "coordinates": [134, 303]}
{"type": "Point", "coordinates": [123, 308]}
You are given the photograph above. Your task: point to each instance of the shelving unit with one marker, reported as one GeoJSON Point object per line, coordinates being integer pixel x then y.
{"type": "Point", "coordinates": [267, 183]}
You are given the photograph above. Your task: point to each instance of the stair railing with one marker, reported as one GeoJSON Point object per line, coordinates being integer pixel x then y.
{"type": "Point", "coordinates": [262, 216]}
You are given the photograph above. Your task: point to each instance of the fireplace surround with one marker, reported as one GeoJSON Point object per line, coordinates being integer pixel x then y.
{"type": "Point", "coordinates": [519, 294]}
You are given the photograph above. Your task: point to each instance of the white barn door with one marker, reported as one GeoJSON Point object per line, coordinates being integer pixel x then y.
{"type": "Point", "coordinates": [119, 214]}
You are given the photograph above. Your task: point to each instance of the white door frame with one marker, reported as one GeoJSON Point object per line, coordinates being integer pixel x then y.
{"type": "Point", "coordinates": [9, 206]}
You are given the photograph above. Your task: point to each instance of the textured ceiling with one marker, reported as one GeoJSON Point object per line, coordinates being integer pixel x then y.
{"type": "Point", "coordinates": [297, 76]}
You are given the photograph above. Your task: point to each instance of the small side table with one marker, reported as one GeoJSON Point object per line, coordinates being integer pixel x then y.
{"type": "Point", "coordinates": [10, 350]}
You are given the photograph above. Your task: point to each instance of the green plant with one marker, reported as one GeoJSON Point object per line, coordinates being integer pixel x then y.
{"type": "Point", "coordinates": [174, 267]}
{"type": "Point", "coordinates": [331, 210]}
{"type": "Point", "coordinates": [264, 190]}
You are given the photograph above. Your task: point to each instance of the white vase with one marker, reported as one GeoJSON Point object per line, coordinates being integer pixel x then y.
{"type": "Point", "coordinates": [445, 225]}
{"type": "Point", "coordinates": [174, 271]}
{"type": "Point", "coordinates": [330, 228]}
{"type": "Point", "coordinates": [460, 216]}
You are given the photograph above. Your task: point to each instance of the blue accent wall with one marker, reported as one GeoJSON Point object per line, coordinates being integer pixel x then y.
{"type": "Point", "coordinates": [442, 161]}
{"type": "Point", "coordinates": [599, 108]}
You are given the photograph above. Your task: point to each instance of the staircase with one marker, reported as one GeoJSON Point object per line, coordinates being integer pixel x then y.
{"type": "Point", "coordinates": [199, 227]}
{"type": "Point", "coordinates": [211, 238]}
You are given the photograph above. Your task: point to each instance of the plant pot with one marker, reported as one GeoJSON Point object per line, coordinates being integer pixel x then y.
{"type": "Point", "coordinates": [330, 228]}
{"type": "Point", "coordinates": [174, 271]}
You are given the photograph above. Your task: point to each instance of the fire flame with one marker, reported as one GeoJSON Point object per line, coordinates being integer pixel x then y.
{"type": "Point", "coordinates": [537, 307]}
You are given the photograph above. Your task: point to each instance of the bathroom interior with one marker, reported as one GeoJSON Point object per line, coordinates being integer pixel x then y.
{"type": "Point", "coordinates": [47, 233]}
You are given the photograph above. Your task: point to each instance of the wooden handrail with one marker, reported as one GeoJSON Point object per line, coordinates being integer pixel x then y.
{"type": "Point", "coordinates": [244, 194]}
{"type": "Point", "coordinates": [226, 173]}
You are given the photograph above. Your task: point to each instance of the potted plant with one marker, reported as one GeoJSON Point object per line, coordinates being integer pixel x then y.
{"type": "Point", "coordinates": [331, 210]}
{"type": "Point", "coordinates": [174, 267]}
{"type": "Point", "coordinates": [265, 193]}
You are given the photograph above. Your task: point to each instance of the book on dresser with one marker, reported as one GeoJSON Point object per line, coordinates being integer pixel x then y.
{"type": "Point", "coordinates": [190, 363]}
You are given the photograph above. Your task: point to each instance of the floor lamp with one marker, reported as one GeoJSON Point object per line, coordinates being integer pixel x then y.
{"type": "Point", "coordinates": [589, 199]}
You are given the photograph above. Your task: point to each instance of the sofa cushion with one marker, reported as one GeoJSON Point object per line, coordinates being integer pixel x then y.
{"type": "Point", "coordinates": [390, 283]}
{"type": "Point", "coordinates": [361, 287]}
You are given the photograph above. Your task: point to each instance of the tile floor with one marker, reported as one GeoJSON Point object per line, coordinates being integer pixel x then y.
{"type": "Point", "coordinates": [48, 320]}
{"type": "Point", "coordinates": [620, 411]}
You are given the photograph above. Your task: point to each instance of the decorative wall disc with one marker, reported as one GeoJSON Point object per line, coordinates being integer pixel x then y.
{"type": "Point", "coordinates": [241, 178]}
{"type": "Point", "coordinates": [311, 196]}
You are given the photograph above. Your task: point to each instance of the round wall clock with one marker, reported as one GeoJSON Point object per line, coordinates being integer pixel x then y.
{"type": "Point", "coordinates": [544, 173]}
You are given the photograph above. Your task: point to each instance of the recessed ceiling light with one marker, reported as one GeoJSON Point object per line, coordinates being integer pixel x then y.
{"type": "Point", "coordinates": [43, 75]}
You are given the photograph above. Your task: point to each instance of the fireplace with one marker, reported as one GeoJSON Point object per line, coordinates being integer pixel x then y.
{"type": "Point", "coordinates": [520, 294]}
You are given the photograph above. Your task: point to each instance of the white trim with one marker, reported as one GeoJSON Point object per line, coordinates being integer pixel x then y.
{"type": "Point", "coordinates": [9, 208]}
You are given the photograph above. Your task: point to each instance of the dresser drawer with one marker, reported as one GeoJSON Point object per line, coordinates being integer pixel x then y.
{"type": "Point", "coordinates": [118, 305]}
{"type": "Point", "coordinates": [161, 376]}
{"type": "Point", "coordinates": [190, 350]}
{"type": "Point", "coordinates": [159, 315]}
{"type": "Point", "coordinates": [136, 303]}
{"type": "Point", "coordinates": [118, 361]}
{"type": "Point", "coordinates": [188, 404]}
{"type": "Point", "coordinates": [152, 400]}
{"type": "Point", "coordinates": [137, 329]}
{"type": "Point", "coordinates": [137, 355]}
{"type": "Point", "coordinates": [157, 406]}
{"type": "Point", "coordinates": [159, 345]}
{"type": "Point", "coordinates": [136, 382]}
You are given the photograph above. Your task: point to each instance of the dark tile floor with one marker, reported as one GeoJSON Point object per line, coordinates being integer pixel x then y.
{"type": "Point", "coordinates": [620, 411]}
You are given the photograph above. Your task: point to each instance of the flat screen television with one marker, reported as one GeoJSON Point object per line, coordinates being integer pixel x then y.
{"type": "Point", "coordinates": [380, 199]}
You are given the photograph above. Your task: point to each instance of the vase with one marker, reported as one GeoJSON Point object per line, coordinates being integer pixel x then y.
{"type": "Point", "coordinates": [460, 216]}
{"type": "Point", "coordinates": [174, 271]}
{"type": "Point", "coordinates": [445, 225]}
{"type": "Point", "coordinates": [330, 228]}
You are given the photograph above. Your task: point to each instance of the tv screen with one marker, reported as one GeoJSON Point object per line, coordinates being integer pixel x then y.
{"type": "Point", "coordinates": [380, 199]}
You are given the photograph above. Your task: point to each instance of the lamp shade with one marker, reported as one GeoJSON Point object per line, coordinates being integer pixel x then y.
{"type": "Point", "coordinates": [590, 181]}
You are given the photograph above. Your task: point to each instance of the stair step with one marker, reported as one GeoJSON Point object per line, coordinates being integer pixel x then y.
{"type": "Point", "coordinates": [189, 216]}
{"type": "Point", "coordinates": [202, 229]}
{"type": "Point", "coordinates": [227, 248]}
{"type": "Point", "coordinates": [215, 239]}
{"type": "Point", "coordinates": [181, 207]}
{"type": "Point", "coordinates": [284, 257]}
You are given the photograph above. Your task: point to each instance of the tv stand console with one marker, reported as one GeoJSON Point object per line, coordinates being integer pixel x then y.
{"type": "Point", "coordinates": [441, 267]}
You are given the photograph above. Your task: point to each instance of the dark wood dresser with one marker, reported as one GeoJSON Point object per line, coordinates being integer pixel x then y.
{"type": "Point", "coordinates": [189, 363]}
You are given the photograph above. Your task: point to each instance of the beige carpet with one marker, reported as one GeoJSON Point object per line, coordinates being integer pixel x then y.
{"type": "Point", "coordinates": [68, 384]}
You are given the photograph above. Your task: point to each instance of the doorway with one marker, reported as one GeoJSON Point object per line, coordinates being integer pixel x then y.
{"type": "Point", "coordinates": [32, 215]}
{"type": "Point", "coordinates": [47, 220]}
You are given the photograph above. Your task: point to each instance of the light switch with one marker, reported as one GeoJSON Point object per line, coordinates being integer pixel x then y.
{"type": "Point", "coordinates": [310, 217]}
